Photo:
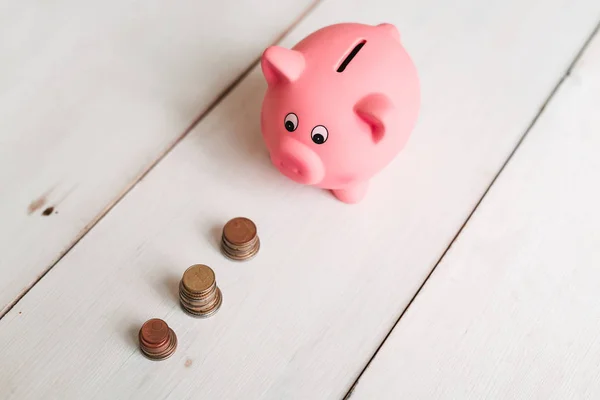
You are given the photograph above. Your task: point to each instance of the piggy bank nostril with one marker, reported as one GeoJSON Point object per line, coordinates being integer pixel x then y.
{"type": "Point", "coordinates": [291, 167]}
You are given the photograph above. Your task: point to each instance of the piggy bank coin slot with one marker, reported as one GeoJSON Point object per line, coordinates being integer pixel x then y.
{"type": "Point", "coordinates": [350, 56]}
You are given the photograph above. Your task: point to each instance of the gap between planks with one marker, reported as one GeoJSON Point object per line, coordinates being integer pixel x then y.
{"type": "Point", "coordinates": [557, 86]}
{"type": "Point", "coordinates": [220, 96]}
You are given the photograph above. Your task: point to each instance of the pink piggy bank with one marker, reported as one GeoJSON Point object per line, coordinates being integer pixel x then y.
{"type": "Point", "coordinates": [339, 106]}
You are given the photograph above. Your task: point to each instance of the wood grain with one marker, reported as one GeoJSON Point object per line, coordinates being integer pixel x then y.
{"type": "Point", "coordinates": [512, 311]}
{"type": "Point", "coordinates": [92, 93]}
{"type": "Point", "coordinates": [300, 320]}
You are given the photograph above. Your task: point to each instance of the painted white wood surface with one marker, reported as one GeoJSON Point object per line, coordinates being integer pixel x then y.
{"type": "Point", "coordinates": [513, 311]}
{"type": "Point", "coordinates": [92, 93]}
{"type": "Point", "coordinates": [302, 319]}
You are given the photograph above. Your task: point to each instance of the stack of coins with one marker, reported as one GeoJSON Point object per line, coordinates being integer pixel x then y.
{"type": "Point", "coordinates": [157, 340]}
{"type": "Point", "coordinates": [198, 291]}
{"type": "Point", "coordinates": [240, 239]}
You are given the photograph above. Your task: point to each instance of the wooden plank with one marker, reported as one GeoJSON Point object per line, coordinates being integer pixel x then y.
{"type": "Point", "coordinates": [301, 319]}
{"type": "Point", "coordinates": [92, 94]}
{"type": "Point", "coordinates": [512, 311]}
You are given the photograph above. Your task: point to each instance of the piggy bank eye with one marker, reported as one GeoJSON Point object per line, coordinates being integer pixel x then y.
{"type": "Point", "coordinates": [291, 122]}
{"type": "Point", "coordinates": [319, 134]}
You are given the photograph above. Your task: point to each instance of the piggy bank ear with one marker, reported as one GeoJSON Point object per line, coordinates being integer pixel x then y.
{"type": "Point", "coordinates": [281, 65]}
{"type": "Point", "coordinates": [375, 109]}
{"type": "Point", "coordinates": [391, 30]}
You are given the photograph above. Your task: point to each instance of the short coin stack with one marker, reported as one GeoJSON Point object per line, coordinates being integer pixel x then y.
{"type": "Point", "coordinates": [157, 340]}
{"type": "Point", "coordinates": [240, 240]}
{"type": "Point", "coordinates": [198, 291]}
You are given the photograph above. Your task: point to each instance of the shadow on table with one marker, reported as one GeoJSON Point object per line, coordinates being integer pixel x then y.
{"type": "Point", "coordinates": [229, 139]}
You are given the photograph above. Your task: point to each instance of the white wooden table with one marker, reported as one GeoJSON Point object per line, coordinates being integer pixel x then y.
{"type": "Point", "coordinates": [129, 133]}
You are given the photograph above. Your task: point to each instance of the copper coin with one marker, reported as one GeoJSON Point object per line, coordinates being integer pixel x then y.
{"type": "Point", "coordinates": [241, 255]}
{"type": "Point", "coordinates": [244, 247]}
{"type": "Point", "coordinates": [154, 349]}
{"type": "Point", "coordinates": [198, 278]}
{"type": "Point", "coordinates": [239, 231]}
{"type": "Point", "coordinates": [166, 351]}
{"type": "Point", "coordinates": [154, 332]}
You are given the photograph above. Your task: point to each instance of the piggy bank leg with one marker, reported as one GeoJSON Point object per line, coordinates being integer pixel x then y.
{"type": "Point", "coordinates": [351, 194]}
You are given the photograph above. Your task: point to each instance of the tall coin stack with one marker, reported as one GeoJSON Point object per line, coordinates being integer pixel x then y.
{"type": "Point", "coordinates": [157, 340]}
{"type": "Point", "coordinates": [240, 240]}
{"type": "Point", "coordinates": [198, 291]}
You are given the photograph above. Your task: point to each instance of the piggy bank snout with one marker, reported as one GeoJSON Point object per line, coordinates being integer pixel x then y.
{"type": "Point", "coordinates": [298, 162]}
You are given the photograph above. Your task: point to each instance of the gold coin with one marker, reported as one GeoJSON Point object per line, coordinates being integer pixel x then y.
{"type": "Point", "coordinates": [198, 278]}
{"type": "Point", "coordinates": [208, 312]}
{"type": "Point", "coordinates": [196, 297]}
